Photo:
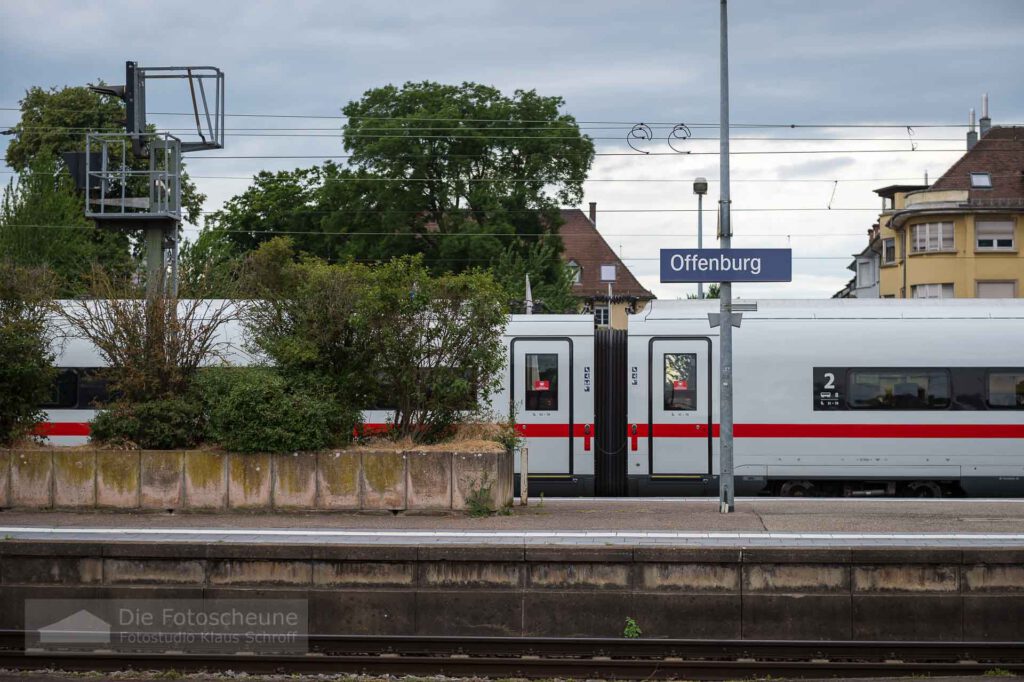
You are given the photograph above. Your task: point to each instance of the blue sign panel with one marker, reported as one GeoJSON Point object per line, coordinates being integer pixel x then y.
{"type": "Point", "coordinates": [726, 265]}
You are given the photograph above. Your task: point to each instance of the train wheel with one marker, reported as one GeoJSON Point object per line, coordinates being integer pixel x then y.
{"type": "Point", "coordinates": [924, 489]}
{"type": "Point", "coordinates": [797, 489]}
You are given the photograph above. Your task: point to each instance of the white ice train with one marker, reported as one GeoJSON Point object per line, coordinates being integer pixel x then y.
{"type": "Point", "coordinates": [835, 397]}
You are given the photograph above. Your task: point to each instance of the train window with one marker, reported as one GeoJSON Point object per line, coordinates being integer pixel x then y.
{"type": "Point", "coordinates": [541, 381]}
{"type": "Point", "coordinates": [680, 381]}
{"type": "Point", "coordinates": [1006, 390]}
{"type": "Point", "coordinates": [93, 388]}
{"type": "Point", "coordinates": [64, 392]}
{"type": "Point", "coordinates": [899, 389]}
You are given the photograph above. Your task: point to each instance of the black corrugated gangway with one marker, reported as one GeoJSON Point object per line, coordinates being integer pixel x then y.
{"type": "Point", "coordinates": [610, 412]}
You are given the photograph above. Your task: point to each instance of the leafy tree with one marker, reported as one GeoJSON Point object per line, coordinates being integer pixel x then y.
{"type": "Point", "coordinates": [57, 120]}
{"type": "Point", "coordinates": [395, 336]}
{"type": "Point", "coordinates": [26, 354]}
{"type": "Point", "coordinates": [713, 291]}
{"type": "Point", "coordinates": [32, 209]}
{"type": "Point", "coordinates": [462, 174]}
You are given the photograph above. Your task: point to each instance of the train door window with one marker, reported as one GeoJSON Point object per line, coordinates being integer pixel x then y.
{"type": "Point", "coordinates": [93, 389]}
{"type": "Point", "coordinates": [680, 381]}
{"type": "Point", "coordinates": [899, 390]}
{"type": "Point", "coordinates": [1006, 390]}
{"type": "Point", "coordinates": [541, 381]}
{"type": "Point", "coordinates": [64, 392]}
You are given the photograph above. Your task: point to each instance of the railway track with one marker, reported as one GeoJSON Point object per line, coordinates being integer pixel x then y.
{"type": "Point", "coordinates": [556, 657]}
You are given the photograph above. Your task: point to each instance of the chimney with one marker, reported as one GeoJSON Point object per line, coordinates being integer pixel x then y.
{"type": "Point", "coordinates": [985, 123]}
{"type": "Point", "coordinates": [593, 213]}
{"type": "Point", "coordinates": [972, 134]}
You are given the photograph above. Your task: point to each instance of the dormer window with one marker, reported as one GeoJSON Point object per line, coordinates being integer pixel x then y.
{"type": "Point", "coordinates": [576, 270]}
{"type": "Point", "coordinates": [981, 180]}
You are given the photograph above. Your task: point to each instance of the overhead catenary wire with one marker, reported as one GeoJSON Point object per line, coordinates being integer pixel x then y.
{"type": "Point", "coordinates": [669, 124]}
{"type": "Point", "coordinates": [457, 234]}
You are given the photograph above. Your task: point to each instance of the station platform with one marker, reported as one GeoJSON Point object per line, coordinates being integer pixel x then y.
{"type": "Point", "coordinates": [766, 522]}
{"type": "Point", "coordinates": [810, 569]}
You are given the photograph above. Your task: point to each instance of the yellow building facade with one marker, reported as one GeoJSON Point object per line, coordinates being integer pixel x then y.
{"type": "Point", "coordinates": [961, 237]}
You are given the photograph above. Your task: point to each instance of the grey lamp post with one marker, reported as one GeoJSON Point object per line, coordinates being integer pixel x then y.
{"type": "Point", "coordinates": [700, 188]}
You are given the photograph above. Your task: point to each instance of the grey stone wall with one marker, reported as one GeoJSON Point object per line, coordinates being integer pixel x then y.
{"type": "Point", "coordinates": [833, 594]}
{"type": "Point", "coordinates": [199, 480]}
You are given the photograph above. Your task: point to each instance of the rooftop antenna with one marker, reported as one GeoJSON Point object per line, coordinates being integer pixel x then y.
{"type": "Point", "coordinates": [132, 180]}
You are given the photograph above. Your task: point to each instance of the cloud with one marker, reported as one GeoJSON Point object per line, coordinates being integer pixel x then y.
{"type": "Point", "coordinates": [792, 62]}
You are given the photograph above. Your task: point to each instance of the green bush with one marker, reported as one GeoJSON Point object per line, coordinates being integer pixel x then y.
{"type": "Point", "coordinates": [26, 372]}
{"type": "Point", "coordinates": [255, 410]}
{"type": "Point", "coordinates": [154, 425]}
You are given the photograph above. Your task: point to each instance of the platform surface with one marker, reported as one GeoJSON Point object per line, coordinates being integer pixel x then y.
{"type": "Point", "coordinates": [689, 522]}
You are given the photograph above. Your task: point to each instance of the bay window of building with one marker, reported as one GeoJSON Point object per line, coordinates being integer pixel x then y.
{"type": "Point", "coordinates": [932, 290]}
{"type": "Point", "coordinates": [928, 237]}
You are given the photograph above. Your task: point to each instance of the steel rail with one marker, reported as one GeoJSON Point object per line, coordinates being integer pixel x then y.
{"type": "Point", "coordinates": [558, 657]}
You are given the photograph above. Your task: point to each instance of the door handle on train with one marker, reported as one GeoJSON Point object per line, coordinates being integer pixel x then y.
{"type": "Point", "coordinates": [586, 438]}
{"type": "Point", "coordinates": [632, 437]}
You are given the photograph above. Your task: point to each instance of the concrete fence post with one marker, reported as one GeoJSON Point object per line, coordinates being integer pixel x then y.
{"type": "Point", "coordinates": [524, 477]}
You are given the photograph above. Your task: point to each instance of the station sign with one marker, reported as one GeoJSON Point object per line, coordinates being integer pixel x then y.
{"type": "Point", "coordinates": [726, 265]}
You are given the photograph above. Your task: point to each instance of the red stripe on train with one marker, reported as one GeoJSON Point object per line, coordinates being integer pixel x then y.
{"type": "Point", "coordinates": [61, 429]}
{"type": "Point", "coordinates": [700, 430]}
{"type": "Point", "coordinates": [836, 430]}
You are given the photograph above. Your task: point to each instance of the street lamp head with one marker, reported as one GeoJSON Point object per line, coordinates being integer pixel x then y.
{"type": "Point", "coordinates": [700, 186]}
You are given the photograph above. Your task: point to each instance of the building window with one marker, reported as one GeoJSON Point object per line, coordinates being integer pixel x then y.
{"type": "Point", "coordinates": [993, 234]}
{"type": "Point", "coordinates": [865, 273]}
{"type": "Point", "coordinates": [997, 289]}
{"type": "Point", "coordinates": [932, 237]}
{"type": "Point", "coordinates": [577, 272]}
{"type": "Point", "coordinates": [932, 291]}
{"type": "Point", "coordinates": [981, 181]}
{"type": "Point", "coordinates": [1006, 390]}
{"type": "Point", "coordinates": [541, 381]}
{"type": "Point", "coordinates": [888, 251]}
{"type": "Point", "coordinates": [899, 389]}
{"type": "Point", "coordinates": [680, 381]}
{"type": "Point", "coordinates": [601, 315]}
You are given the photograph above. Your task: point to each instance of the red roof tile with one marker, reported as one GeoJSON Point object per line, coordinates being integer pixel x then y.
{"type": "Point", "coordinates": [585, 245]}
{"type": "Point", "coordinates": [1001, 153]}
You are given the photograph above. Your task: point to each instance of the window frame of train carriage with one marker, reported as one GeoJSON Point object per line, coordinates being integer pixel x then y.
{"type": "Point", "coordinates": [966, 389]}
{"type": "Point", "coordinates": [569, 396]}
{"type": "Point", "coordinates": [1017, 389]}
{"type": "Point", "coordinates": [659, 385]}
{"type": "Point", "coordinates": [74, 381]}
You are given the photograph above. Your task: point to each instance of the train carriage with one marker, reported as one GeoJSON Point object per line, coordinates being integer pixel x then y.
{"type": "Point", "coordinates": [840, 397]}
{"type": "Point", "coordinates": [849, 397]}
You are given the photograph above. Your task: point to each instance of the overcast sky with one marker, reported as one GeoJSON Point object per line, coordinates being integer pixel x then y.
{"type": "Point", "coordinates": [912, 62]}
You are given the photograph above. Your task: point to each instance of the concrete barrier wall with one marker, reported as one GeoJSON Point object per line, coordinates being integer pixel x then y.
{"type": "Point", "coordinates": [860, 594]}
{"type": "Point", "coordinates": [198, 480]}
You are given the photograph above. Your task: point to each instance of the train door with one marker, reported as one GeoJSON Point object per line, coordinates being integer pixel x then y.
{"type": "Point", "coordinates": [542, 395]}
{"type": "Point", "coordinates": [679, 431]}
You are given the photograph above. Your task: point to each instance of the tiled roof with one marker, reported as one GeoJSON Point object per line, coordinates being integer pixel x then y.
{"type": "Point", "coordinates": [1001, 153]}
{"type": "Point", "coordinates": [585, 245]}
